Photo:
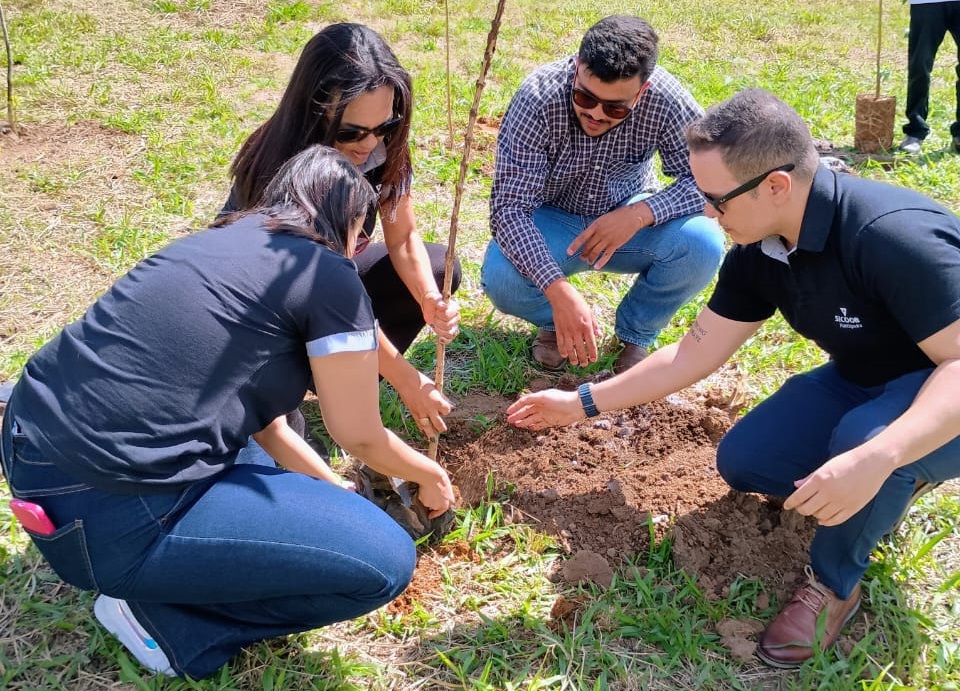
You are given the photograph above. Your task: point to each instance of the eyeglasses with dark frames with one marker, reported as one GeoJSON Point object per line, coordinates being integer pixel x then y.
{"type": "Point", "coordinates": [750, 184]}
{"type": "Point", "coordinates": [353, 133]}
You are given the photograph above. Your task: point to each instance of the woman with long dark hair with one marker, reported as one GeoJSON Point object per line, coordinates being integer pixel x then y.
{"type": "Point", "coordinates": [349, 91]}
{"type": "Point", "coordinates": [127, 436]}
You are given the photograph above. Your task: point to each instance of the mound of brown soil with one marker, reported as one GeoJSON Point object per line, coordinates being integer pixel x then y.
{"type": "Point", "coordinates": [598, 486]}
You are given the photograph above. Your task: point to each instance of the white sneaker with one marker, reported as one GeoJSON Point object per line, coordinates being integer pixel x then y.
{"type": "Point", "coordinates": [911, 145]}
{"type": "Point", "coordinates": [116, 617]}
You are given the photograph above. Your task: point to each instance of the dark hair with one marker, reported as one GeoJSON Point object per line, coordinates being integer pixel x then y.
{"type": "Point", "coordinates": [317, 194]}
{"type": "Point", "coordinates": [755, 131]}
{"type": "Point", "coordinates": [619, 47]}
{"type": "Point", "coordinates": [340, 63]}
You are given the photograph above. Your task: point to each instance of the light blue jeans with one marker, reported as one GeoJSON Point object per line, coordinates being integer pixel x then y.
{"type": "Point", "coordinates": [673, 261]}
{"type": "Point", "coordinates": [812, 418]}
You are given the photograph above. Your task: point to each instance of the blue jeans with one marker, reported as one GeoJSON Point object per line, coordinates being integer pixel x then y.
{"type": "Point", "coordinates": [673, 261]}
{"type": "Point", "coordinates": [253, 553]}
{"type": "Point", "coordinates": [812, 418]}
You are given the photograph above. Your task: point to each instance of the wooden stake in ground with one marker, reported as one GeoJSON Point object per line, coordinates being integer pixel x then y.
{"type": "Point", "coordinates": [446, 9]}
{"type": "Point", "coordinates": [458, 195]}
{"type": "Point", "coordinates": [11, 118]}
{"type": "Point", "coordinates": [879, 43]}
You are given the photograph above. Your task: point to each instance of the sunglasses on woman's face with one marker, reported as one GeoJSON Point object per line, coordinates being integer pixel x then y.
{"type": "Point", "coordinates": [352, 133]}
{"type": "Point", "coordinates": [363, 240]}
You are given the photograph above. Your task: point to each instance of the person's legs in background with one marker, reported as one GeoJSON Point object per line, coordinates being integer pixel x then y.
{"type": "Point", "coordinates": [927, 30]}
{"type": "Point", "coordinates": [953, 26]}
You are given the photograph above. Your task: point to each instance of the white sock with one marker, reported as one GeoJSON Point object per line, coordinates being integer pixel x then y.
{"type": "Point", "coordinates": [116, 617]}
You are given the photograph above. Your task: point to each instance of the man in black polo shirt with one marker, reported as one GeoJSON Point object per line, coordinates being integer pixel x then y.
{"type": "Point", "coordinates": [868, 271]}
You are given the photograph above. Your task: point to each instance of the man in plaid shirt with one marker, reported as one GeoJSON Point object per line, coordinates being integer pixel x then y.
{"type": "Point", "coordinates": [574, 189]}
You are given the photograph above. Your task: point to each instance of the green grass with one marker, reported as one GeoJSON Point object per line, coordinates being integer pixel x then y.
{"type": "Point", "coordinates": [133, 112]}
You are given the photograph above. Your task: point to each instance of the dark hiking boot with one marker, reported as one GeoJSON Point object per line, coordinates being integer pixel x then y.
{"type": "Point", "coordinates": [628, 357]}
{"type": "Point", "coordinates": [545, 350]}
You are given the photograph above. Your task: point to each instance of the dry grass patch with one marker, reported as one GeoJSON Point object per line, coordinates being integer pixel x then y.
{"type": "Point", "coordinates": [62, 183]}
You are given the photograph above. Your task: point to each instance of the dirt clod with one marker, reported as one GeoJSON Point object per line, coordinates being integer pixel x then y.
{"type": "Point", "coordinates": [588, 566]}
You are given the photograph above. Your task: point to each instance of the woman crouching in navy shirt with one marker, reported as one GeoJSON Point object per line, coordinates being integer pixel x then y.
{"type": "Point", "coordinates": [131, 430]}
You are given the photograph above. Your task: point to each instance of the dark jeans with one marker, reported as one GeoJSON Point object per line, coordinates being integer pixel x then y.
{"type": "Point", "coordinates": [395, 308]}
{"type": "Point", "coordinates": [929, 23]}
{"type": "Point", "coordinates": [253, 553]}
{"type": "Point", "coordinates": [812, 418]}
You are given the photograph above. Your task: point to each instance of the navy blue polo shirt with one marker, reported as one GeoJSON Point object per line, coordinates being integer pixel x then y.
{"type": "Point", "coordinates": [165, 377]}
{"type": "Point", "coordinates": [875, 271]}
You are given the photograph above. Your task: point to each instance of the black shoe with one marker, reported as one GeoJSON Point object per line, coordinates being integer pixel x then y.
{"type": "Point", "coordinates": [628, 357]}
{"type": "Point", "coordinates": [298, 424]}
{"type": "Point", "coordinates": [956, 143]}
{"type": "Point", "coordinates": [920, 488]}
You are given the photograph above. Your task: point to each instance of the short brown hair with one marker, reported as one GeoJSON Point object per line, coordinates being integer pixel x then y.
{"type": "Point", "coordinates": [755, 131]}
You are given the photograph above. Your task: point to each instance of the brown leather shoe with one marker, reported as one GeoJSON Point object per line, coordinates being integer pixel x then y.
{"type": "Point", "coordinates": [788, 641]}
{"type": "Point", "coordinates": [545, 350]}
{"type": "Point", "coordinates": [628, 357]}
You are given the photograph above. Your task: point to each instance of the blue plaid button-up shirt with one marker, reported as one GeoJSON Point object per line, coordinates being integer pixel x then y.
{"type": "Point", "coordinates": [544, 158]}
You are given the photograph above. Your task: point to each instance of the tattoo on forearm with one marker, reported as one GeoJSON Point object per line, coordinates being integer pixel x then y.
{"type": "Point", "coordinates": [697, 331]}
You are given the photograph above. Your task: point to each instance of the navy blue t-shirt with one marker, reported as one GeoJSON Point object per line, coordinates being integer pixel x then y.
{"type": "Point", "coordinates": [875, 271]}
{"type": "Point", "coordinates": [165, 377]}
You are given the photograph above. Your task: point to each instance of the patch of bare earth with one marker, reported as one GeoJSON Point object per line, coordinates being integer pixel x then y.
{"type": "Point", "coordinates": [598, 485]}
{"type": "Point", "coordinates": [55, 174]}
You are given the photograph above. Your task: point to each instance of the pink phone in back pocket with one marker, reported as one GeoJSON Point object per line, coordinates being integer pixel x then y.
{"type": "Point", "coordinates": [32, 517]}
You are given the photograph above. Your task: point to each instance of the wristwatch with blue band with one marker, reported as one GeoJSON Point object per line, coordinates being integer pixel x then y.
{"type": "Point", "coordinates": [586, 400]}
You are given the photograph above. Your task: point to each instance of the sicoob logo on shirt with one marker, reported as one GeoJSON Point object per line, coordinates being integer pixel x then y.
{"type": "Point", "coordinates": [845, 322]}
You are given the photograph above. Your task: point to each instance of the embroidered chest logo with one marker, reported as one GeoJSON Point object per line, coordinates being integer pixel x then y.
{"type": "Point", "coordinates": [847, 322]}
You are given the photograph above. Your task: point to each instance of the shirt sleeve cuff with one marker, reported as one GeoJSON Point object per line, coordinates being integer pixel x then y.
{"type": "Point", "coordinates": [547, 275]}
{"type": "Point", "coordinates": [351, 342]}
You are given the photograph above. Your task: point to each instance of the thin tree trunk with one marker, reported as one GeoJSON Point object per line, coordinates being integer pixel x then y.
{"type": "Point", "coordinates": [446, 9]}
{"type": "Point", "coordinates": [11, 118]}
{"type": "Point", "coordinates": [879, 41]}
{"type": "Point", "coordinates": [458, 195]}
